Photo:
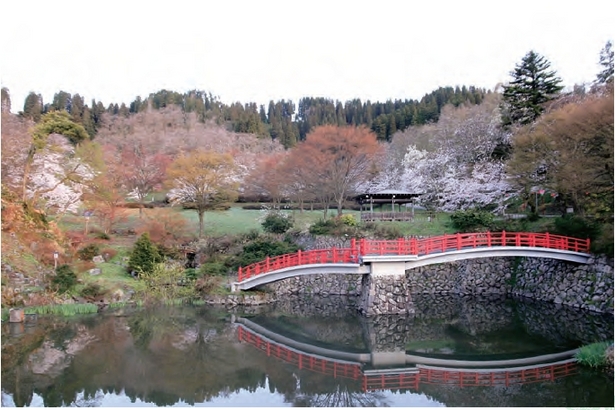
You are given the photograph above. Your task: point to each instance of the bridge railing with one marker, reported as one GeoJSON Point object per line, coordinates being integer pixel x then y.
{"type": "Point", "coordinates": [333, 255]}
{"type": "Point", "coordinates": [414, 246]}
{"type": "Point", "coordinates": [459, 241]}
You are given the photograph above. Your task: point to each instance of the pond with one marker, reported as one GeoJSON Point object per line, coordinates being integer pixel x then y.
{"type": "Point", "coordinates": [315, 352]}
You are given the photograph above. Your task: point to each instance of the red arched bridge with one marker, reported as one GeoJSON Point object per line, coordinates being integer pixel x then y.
{"type": "Point", "coordinates": [363, 255]}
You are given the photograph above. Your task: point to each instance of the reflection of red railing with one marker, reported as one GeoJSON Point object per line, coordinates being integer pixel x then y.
{"type": "Point", "coordinates": [413, 378]}
{"type": "Point", "coordinates": [419, 247]}
{"type": "Point", "coordinates": [300, 360]}
{"type": "Point", "coordinates": [469, 378]}
{"type": "Point", "coordinates": [399, 381]}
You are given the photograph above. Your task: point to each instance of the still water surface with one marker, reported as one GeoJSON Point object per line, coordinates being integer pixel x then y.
{"type": "Point", "coordinates": [307, 352]}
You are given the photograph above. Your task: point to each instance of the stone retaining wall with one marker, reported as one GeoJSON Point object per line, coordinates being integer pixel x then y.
{"type": "Point", "coordinates": [586, 286]}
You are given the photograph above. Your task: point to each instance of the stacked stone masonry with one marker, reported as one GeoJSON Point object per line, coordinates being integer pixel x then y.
{"type": "Point", "coordinates": [587, 286]}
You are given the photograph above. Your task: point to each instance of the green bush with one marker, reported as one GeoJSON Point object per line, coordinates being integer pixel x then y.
{"type": "Point", "coordinates": [576, 226]}
{"type": "Point", "coordinates": [191, 274]}
{"type": "Point", "coordinates": [88, 252]}
{"type": "Point", "coordinates": [277, 223]}
{"type": "Point", "coordinates": [91, 291]}
{"type": "Point", "coordinates": [603, 244]}
{"type": "Point", "coordinates": [260, 249]}
{"type": "Point", "coordinates": [64, 279]}
{"type": "Point", "coordinates": [348, 220]}
{"type": "Point", "coordinates": [322, 227]}
{"type": "Point", "coordinates": [335, 227]}
{"type": "Point", "coordinates": [213, 268]}
{"type": "Point", "coordinates": [593, 355]}
{"type": "Point", "coordinates": [471, 220]}
{"type": "Point", "coordinates": [250, 235]}
{"type": "Point", "coordinates": [144, 255]}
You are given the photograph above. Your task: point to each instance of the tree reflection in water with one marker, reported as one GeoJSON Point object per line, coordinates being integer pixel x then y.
{"type": "Point", "coordinates": [342, 396]}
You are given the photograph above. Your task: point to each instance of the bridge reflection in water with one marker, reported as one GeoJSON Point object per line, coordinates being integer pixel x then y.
{"type": "Point", "coordinates": [415, 370]}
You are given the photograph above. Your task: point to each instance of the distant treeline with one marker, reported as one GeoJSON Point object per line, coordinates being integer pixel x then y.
{"type": "Point", "coordinates": [281, 120]}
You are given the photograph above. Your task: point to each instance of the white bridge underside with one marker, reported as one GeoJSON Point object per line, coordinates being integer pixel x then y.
{"type": "Point", "coordinates": [410, 262]}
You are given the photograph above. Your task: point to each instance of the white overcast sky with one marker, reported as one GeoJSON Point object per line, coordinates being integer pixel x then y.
{"type": "Point", "coordinates": [261, 50]}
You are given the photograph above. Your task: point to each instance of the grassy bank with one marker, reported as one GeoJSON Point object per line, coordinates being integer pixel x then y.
{"type": "Point", "coordinates": [596, 355]}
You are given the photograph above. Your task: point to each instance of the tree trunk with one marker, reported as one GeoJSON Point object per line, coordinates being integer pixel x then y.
{"type": "Point", "coordinates": [339, 207]}
{"type": "Point", "coordinates": [201, 215]}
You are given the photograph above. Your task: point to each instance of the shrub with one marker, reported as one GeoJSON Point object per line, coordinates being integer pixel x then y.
{"type": "Point", "coordinates": [144, 255]}
{"type": "Point", "coordinates": [593, 355]}
{"type": "Point", "coordinates": [253, 234]}
{"type": "Point", "coordinates": [260, 249]}
{"type": "Point", "coordinates": [206, 284]}
{"type": "Point", "coordinates": [348, 220]}
{"type": "Point", "coordinates": [191, 274]}
{"type": "Point", "coordinates": [471, 219]}
{"type": "Point", "coordinates": [571, 225]}
{"type": "Point", "coordinates": [64, 279]}
{"type": "Point", "coordinates": [88, 252]}
{"type": "Point", "coordinates": [603, 244]}
{"type": "Point", "coordinates": [92, 291]}
{"type": "Point", "coordinates": [322, 227]}
{"type": "Point", "coordinates": [166, 282]}
{"type": "Point", "coordinates": [276, 222]}
{"type": "Point", "coordinates": [213, 268]}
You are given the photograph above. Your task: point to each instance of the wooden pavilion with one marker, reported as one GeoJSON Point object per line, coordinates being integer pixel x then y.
{"type": "Point", "coordinates": [385, 198]}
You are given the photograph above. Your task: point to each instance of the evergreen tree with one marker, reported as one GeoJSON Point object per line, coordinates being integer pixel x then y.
{"type": "Point", "coordinates": [33, 106]}
{"type": "Point", "coordinates": [606, 61]}
{"type": "Point", "coordinates": [62, 101]}
{"type": "Point", "coordinates": [144, 255]}
{"type": "Point", "coordinates": [532, 86]}
{"type": "Point", "coordinates": [6, 100]}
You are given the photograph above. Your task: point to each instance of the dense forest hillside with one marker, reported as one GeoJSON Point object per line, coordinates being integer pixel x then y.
{"type": "Point", "coordinates": [283, 120]}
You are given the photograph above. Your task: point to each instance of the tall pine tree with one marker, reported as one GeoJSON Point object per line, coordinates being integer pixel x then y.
{"type": "Point", "coordinates": [531, 87]}
{"type": "Point", "coordinates": [606, 61]}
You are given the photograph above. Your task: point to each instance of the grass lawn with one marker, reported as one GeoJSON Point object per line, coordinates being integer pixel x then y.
{"type": "Point", "coordinates": [237, 220]}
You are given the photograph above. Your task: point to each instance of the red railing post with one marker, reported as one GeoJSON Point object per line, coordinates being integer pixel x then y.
{"type": "Point", "coordinates": [400, 246]}
{"type": "Point", "coordinates": [239, 275]}
{"type": "Point", "coordinates": [334, 252]}
{"type": "Point", "coordinates": [413, 247]}
{"type": "Point", "coordinates": [503, 238]}
{"type": "Point", "coordinates": [362, 246]}
{"type": "Point", "coordinates": [353, 246]}
{"type": "Point", "coordinates": [517, 239]}
{"type": "Point", "coordinates": [299, 257]}
{"type": "Point", "coordinates": [458, 236]}
{"type": "Point", "coordinates": [489, 239]}
{"type": "Point", "coordinates": [267, 263]}
{"type": "Point", "coordinates": [547, 240]}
